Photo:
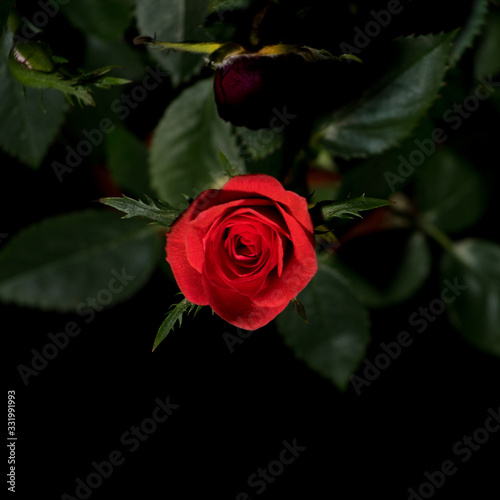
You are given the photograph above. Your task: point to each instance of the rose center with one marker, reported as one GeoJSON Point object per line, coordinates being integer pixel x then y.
{"type": "Point", "coordinates": [245, 248]}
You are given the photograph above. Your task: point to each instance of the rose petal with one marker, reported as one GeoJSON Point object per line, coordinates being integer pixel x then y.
{"type": "Point", "coordinates": [187, 277]}
{"type": "Point", "coordinates": [298, 271]}
{"type": "Point", "coordinates": [197, 230]}
{"type": "Point", "coordinates": [239, 310]}
{"type": "Point", "coordinates": [246, 186]}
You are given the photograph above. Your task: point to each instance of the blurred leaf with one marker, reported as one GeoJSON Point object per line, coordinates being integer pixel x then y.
{"type": "Point", "coordinates": [450, 193]}
{"type": "Point", "coordinates": [62, 262]}
{"type": "Point", "coordinates": [382, 174]}
{"type": "Point", "coordinates": [175, 21]}
{"type": "Point", "coordinates": [258, 144]}
{"type": "Point", "coordinates": [108, 19]}
{"type": "Point", "coordinates": [99, 53]}
{"type": "Point", "coordinates": [487, 60]}
{"type": "Point", "coordinates": [230, 169]}
{"type": "Point", "coordinates": [228, 5]}
{"type": "Point", "coordinates": [406, 264]}
{"type": "Point", "coordinates": [155, 211]}
{"type": "Point", "coordinates": [127, 160]}
{"type": "Point", "coordinates": [475, 312]}
{"type": "Point", "coordinates": [390, 108]}
{"type": "Point", "coordinates": [335, 340]}
{"type": "Point", "coordinates": [175, 315]}
{"type": "Point", "coordinates": [30, 120]}
{"type": "Point", "coordinates": [184, 158]}
{"type": "Point", "coordinates": [5, 8]}
{"type": "Point", "coordinates": [470, 30]}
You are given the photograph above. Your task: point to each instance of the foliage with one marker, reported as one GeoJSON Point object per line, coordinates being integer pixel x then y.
{"type": "Point", "coordinates": [399, 148]}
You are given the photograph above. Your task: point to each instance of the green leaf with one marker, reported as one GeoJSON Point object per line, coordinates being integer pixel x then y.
{"type": "Point", "coordinates": [324, 211]}
{"type": "Point", "coordinates": [175, 21]}
{"type": "Point", "coordinates": [450, 192]}
{"type": "Point", "coordinates": [127, 160]}
{"type": "Point", "coordinates": [5, 8]}
{"type": "Point", "coordinates": [380, 175]}
{"type": "Point", "coordinates": [66, 262]}
{"type": "Point", "coordinates": [470, 30]}
{"type": "Point", "coordinates": [183, 157]}
{"type": "Point", "coordinates": [258, 144]}
{"type": "Point", "coordinates": [230, 169]}
{"type": "Point", "coordinates": [334, 342]}
{"type": "Point", "coordinates": [155, 211]}
{"type": "Point", "coordinates": [389, 276]}
{"type": "Point", "coordinates": [30, 118]}
{"type": "Point", "coordinates": [486, 57]}
{"type": "Point", "coordinates": [391, 107]}
{"type": "Point", "coordinates": [474, 265]}
{"type": "Point", "coordinates": [174, 315]}
{"type": "Point", "coordinates": [108, 20]}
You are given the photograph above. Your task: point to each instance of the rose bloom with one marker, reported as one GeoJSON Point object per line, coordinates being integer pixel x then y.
{"type": "Point", "coordinates": [246, 250]}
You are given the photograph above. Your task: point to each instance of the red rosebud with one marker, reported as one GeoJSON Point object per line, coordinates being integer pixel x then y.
{"type": "Point", "coordinates": [246, 250]}
{"type": "Point", "coordinates": [250, 89]}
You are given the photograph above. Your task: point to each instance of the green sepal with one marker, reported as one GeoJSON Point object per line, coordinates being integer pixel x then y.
{"type": "Point", "coordinates": [155, 211]}
{"type": "Point", "coordinates": [230, 169]}
{"type": "Point", "coordinates": [173, 316]}
{"type": "Point", "coordinates": [216, 53]}
{"type": "Point", "coordinates": [324, 211]}
{"type": "Point", "coordinates": [301, 310]}
{"type": "Point", "coordinates": [192, 47]}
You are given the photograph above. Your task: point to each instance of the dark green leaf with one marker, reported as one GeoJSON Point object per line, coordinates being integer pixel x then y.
{"type": "Point", "coordinates": [450, 192]}
{"type": "Point", "coordinates": [108, 20]}
{"type": "Point", "coordinates": [473, 269]}
{"type": "Point", "coordinates": [486, 58]}
{"type": "Point", "coordinates": [155, 211]}
{"type": "Point", "coordinates": [470, 30]}
{"type": "Point", "coordinates": [393, 274]}
{"type": "Point", "coordinates": [390, 109]}
{"type": "Point", "coordinates": [380, 175]}
{"type": "Point", "coordinates": [66, 262]}
{"type": "Point", "coordinates": [30, 118]}
{"type": "Point", "coordinates": [174, 21]}
{"type": "Point", "coordinates": [184, 156]}
{"type": "Point", "coordinates": [258, 144]}
{"type": "Point", "coordinates": [127, 159]}
{"type": "Point", "coordinates": [335, 340]}
{"type": "Point", "coordinates": [5, 8]}
{"type": "Point", "coordinates": [174, 315]}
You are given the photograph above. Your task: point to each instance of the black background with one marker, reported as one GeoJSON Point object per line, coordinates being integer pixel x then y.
{"type": "Point", "coordinates": [236, 408]}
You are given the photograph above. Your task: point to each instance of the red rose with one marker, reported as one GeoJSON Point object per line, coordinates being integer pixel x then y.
{"type": "Point", "coordinates": [246, 250]}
